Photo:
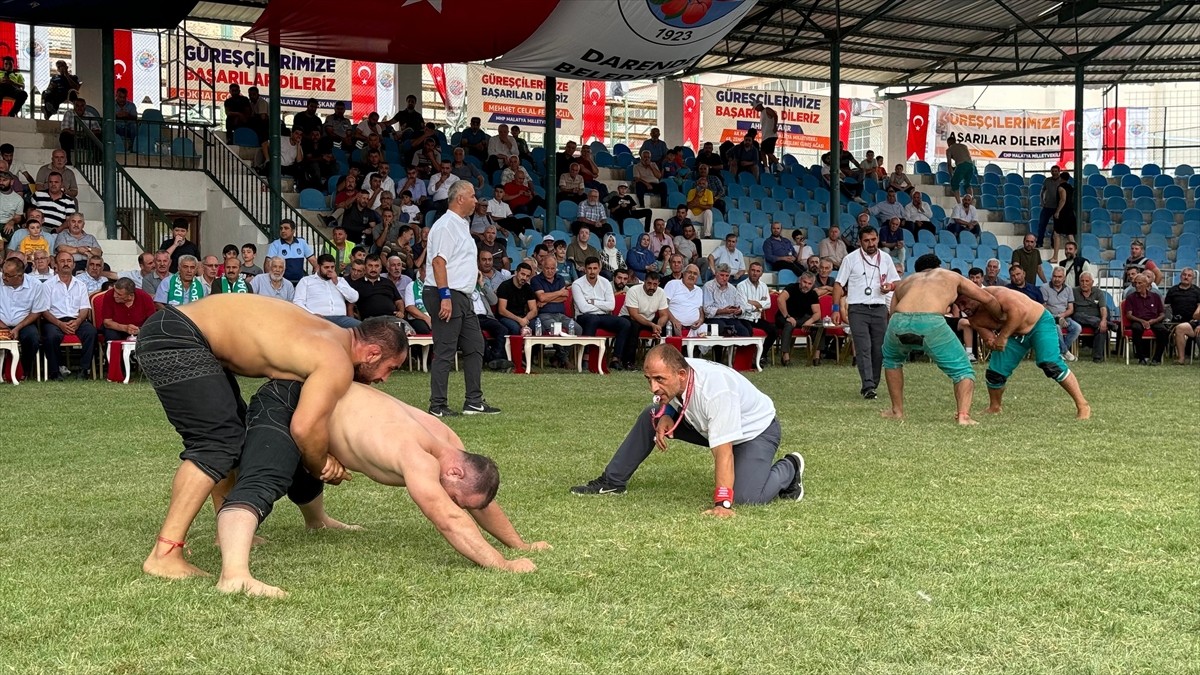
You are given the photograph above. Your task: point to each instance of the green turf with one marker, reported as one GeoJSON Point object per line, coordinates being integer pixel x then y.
{"type": "Point", "coordinates": [1029, 544]}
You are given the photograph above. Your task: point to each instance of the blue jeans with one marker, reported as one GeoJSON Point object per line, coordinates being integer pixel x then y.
{"type": "Point", "coordinates": [1072, 334]}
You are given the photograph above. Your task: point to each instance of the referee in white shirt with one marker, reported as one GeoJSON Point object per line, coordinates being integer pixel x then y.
{"type": "Point", "coordinates": [860, 294]}
{"type": "Point", "coordinates": [450, 265]}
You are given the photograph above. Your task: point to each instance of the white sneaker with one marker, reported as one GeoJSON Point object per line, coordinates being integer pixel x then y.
{"type": "Point", "coordinates": [971, 357]}
{"type": "Point", "coordinates": [1069, 356]}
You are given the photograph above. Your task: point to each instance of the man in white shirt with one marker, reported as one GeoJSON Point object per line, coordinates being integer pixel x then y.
{"type": "Point", "coordinates": [713, 406]}
{"type": "Point", "coordinates": [723, 305]}
{"type": "Point", "coordinates": [964, 218]}
{"type": "Point", "coordinates": [594, 303]}
{"type": "Point", "coordinates": [439, 189]}
{"type": "Point", "coordinates": [451, 272]}
{"type": "Point", "coordinates": [145, 269]}
{"type": "Point", "coordinates": [757, 296]}
{"type": "Point", "coordinates": [918, 215]}
{"type": "Point", "coordinates": [864, 281]}
{"type": "Point", "coordinates": [685, 300]}
{"type": "Point", "coordinates": [645, 309]}
{"type": "Point", "coordinates": [386, 182]}
{"type": "Point", "coordinates": [92, 276]}
{"type": "Point", "coordinates": [729, 255]}
{"type": "Point", "coordinates": [22, 301]}
{"type": "Point", "coordinates": [67, 310]}
{"type": "Point", "coordinates": [326, 294]}
{"type": "Point", "coordinates": [499, 148]}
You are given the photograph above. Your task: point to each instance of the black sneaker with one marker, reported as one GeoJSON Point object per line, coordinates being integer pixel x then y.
{"type": "Point", "coordinates": [870, 395]}
{"type": "Point", "coordinates": [481, 408]}
{"type": "Point", "coordinates": [795, 490]}
{"type": "Point", "coordinates": [442, 411]}
{"type": "Point", "coordinates": [599, 486]}
{"type": "Point", "coordinates": [499, 365]}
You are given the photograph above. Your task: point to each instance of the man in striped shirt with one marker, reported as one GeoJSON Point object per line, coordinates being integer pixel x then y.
{"type": "Point", "coordinates": [54, 203]}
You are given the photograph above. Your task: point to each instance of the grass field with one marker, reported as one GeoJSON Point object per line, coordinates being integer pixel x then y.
{"type": "Point", "coordinates": [1029, 544]}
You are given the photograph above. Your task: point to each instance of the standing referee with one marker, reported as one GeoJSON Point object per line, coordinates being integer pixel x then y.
{"type": "Point", "coordinates": [450, 265]}
{"type": "Point", "coordinates": [860, 294]}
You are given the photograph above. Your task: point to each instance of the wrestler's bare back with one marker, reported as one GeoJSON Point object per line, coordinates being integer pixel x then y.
{"type": "Point", "coordinates": [931, 291]}
{"type": "Point", "coordinates": [1013, 302]}
{"type": "Point", "coordinates": [256, 336]}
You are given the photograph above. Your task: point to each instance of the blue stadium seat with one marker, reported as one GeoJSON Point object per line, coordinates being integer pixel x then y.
{"type": "Point", "coordinates": [1140, 191]}
{"type": "Point", "coordinates": [1188, 241]}
{"type": "Point", "coordinates": [1013, 201]}
{"type": "Point", "coordinates": [312, 200]}
{"type": "Point", "coordinates": [926, 237]}
{"type": "Point", "coordinates": [1102, 228]}
{"type": "Point", "coordinates": [1120, 242]}
{"type": "Point", "coordinates": [921, 168]}
{"type": "Point", "coordinates": [785, 277]}
{"type": "Point", "coordinates": [946, 237]}
{"type": "Point", "coordinates": [967, 239]}
{"type": "Point", "coordinates": [1173, 191]}
{"type": "Point", "coordinates": [944, 251]}
{"type": "Point", "coordinates": [993, 169]}
{"type": "Point", "coordinates": [939, 214]}
{"type": "Point", "coordinates": [1163, 180]}
{"type": "Point", "coordinates": [1099, 215]}
{"type": "Point", "coordinates": [1014, 179]}
{"type": "Point", "coordinates": [988, 238]}
{"type": "Point", "coordinates": [1163, 215]}
{"type": "Point", "coordinates": [1120, 169]}
{"type": "Point", "coordinates": [245, 137]}
{"type": "Point", "coordinates": [1157, 240]}
{"type": "Point", "coordinates": [183, 147]}
{"type": "Point", "coordinates": [1036, 180]}
{"type": "Point", "coordinates": [1115, 204]}
{"type": "Point", "coordinates": [1144, 204]}
{"type": "Point", "coordinates": [1013, 190]}
{"type": "Point", "coordinates": [1129, 181]}
{"type": "Point", "coordinates": [1131, 227]}
{"type": "Point", "coordinates": [1111, 191]}
{"type": "Point", "coordinates": [1098, 181]}
{"type": "Point", "coordinates": [1090, 169]}
{"type": "Point", "coordinates": [1151, 170]}
{"type": "Point", "coordinates": [1176, 204]}
{"type": "Point", "coordinates": [1013, 214]}
{"type": "Point", "coordinates": [909, 239]}
{"type": "Point", "coordinates": [942, 178]}
{"type": "Point", "coordinates": [568, 211]}
{"type": "Point", "coordinates": [989, 202]}
{"type": "Point", "coordinates": [634, 226]}
{"type": "Point", "coordinates": [993, 178]}
{"type": "Point", "coordinates": [1004, 253]}
{"type": "Point", "coordinates": [1090, 203]}
{"type": "Point", "coordinates": [1185, 170]}
{"type": "Point", "coordinates": [989, 189]}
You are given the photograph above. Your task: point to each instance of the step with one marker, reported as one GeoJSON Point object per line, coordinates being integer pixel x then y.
{"type": "Point", "coordinates": [120, 254]}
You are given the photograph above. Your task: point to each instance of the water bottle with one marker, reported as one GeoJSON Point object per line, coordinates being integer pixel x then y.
{"type": "Point", "coordinates": [668, 329]}
{"type": "Point", "coordinates": [537, 327]}
{"type": "Point", "coordinates": [572, 328]}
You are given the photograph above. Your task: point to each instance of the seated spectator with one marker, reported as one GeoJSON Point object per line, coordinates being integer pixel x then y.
{"type": "Point", "coordinates": [688, 246]}
{"type": "Point", "coordinates": [496, 249]}
{"type": "Point", "coordinates": [570, 185]}
{"type": "Point", "coordinates": [377, 296]}
{"type": "Point", "coordinates": [294, 251]}
{"type": "Point", "coordinates": [747, 157]}
{"type": "Point", "coordinates": [12, 85]}
{"type": "Point", "coordinates": [1137, 259]}
{"type": "Point", "coordinates": [145, 269]}
{"type": "Point", "coordinates": [87, 116]}
{"type": "Point", "coordinates": [899, 181]}
{"type": "Point", "coordinates": [307, 120]}
{"type": "Point", "coordinates": [326, 294]}
{"type": "Point", "coordinates": [592, 215]}
{"type": "Point", "coordinates": [723, 305]}
{"type": "Point", "coordinates": [640, 259]}
{"type": "Point", "coordinates": [888, 209]}
{"type": "Point", "coordinates": [272, 283]}
{"type": "Point", "coordinates": [54, 202]}
{"type": "Point", "coordinates": [58, 162]}
{"type": "Point", "coordinates": [581, 249]}
{"type": "Point", "coordinates": [68, 309]}
{"type": "Point", "coordinates": [516, 303]}
{"type": "Point", "coordinates": [522, 146]}
{"type": "Point", "coordinates": [964, 218]}
{"type": "Point", "coordinates": [124, 309]}
{"type": "Point", "coordinates": [501, 214]}
{"type": "Point", "coordinates": [869, 165]}
{"type": "Point", "coordinates": [825, 277]}
{"type": "Point", "coordinates": [670, 169]}
{"type": "Point", "coordinates": [647, 177]}
{"type": "Point", "coordinates": [162, 270]}
{"type": "Point", "coordinates": [664, 257]}
{"type": "Point", "coordinates": [591, 172]}
{"type": "Point", "coordinates": [700, 201]}
{"type": "Point", "coordinates": [368, 127]}
{"type": "Point", "coordinates": [891, 239]}
{"type": "Point", "coordinates": [232, 280]}
{"type": "Point", "coordinates": [500, 147]}
{"type": "Point", "coordinates": [991, 274]}
{"type": "Point", "coordinates": [464, 170]}
{"type": "Point", "coordinates": [63, 86]}
{"type": "Point", "coordinates": [803, 251]}
{"type": "Point", "coordinates": [813, 264]}
{"type": "Point", "coordinates": [127, 115]}
{"type": "Point", "coordinates": [12, 206]}
{"type": "Point", "coordinates": [707, 157]}
{"type": "Point", "coordinates": [210, 270]}
{"type": "Point", "coordinates": [338, 128]}
{"type": "Point", "coordinates": [22, 301]}
{"type": "Point", "coordinates": [593, 300]}
{"type": "Point", "coordinates": [1184, 300]}
{"type": "Point", "coordinates": [714, 185]}
{"type": "Point", "coordinates": [1091, 311]}
{"type": "Point", "coordinates": [427, 159]}
{"type": "Point", "coordinates": [81, 245]}
{"type": "Point", "coordinates": [92, 277]}
{"type": "Point", "coordinates": [779, 253]}
{"type": "Point", "coordinates": [1029, 257]}
{"type": "Point", "coordinates": [833, 247]}
{"type": "Point", "coordinates": [730, 256]}
{"type": "Point", "coordinates": [494, 333]}
{"type": "Point", "coordinates": [413, 185]}
{"type": "Point", "coordinates": [799, 309]}
{"type": "Point", "coordinates": [260, 110]}
{"type": "Point", "coordinates": [372, 161]}
{"type": "Point", "coordinates": [387, 184]}
{"type": "Point", "coordinates": [414, 305]}
{"type": "Point", "coordinates": [238, 112]}
{"type": "Point", "coordinates": [611, 259]}
{"type": "Point", "coordinates": [475, 140]}
{"type": "Point", "coordinates": [881, 173]}
{"type": "Point", "coordinates": [851, 185]}
{"type": "Point", "coordinates": [1073, 263]}
{"type": "Point", "coordinates": [756, 299]}
{"type": "Point", "coordinates": [407, 212]}
{"type": "Point", "coordinates": [394, 239]}
{"type": "Point", "coordinates": [520, 195]}
{"type": "Point", "coordinates": [564, 159]}
{"type": "Point", "coordinates": [1131, 274]}
{"type": "Point", "coordinates": [439, 188]}
{"type": "Point", "coordinates": [178, 244]}
{"type": "Point", "coordinates": [1059, 299]}
{"type": "Point", "coordinates": [645, 309]}
{"type": "Point", "coordinates": [34, 240]}
{"type": "Point", "coordinates": [620, 281]}
{"type": "Point", "coordinates": [918, 215]}
{"type": "Point", "coordinates": [1018, 283]}
{"type": "Point", "coordinates": [491, 273]}
{"type": "Point", "coordinates": [43, 267]}
{"type": "Point", "coordinates": [552, 291]}
{"type": "Point", "coordinates": [850, 234]}
{"type": "Point", "coordinates": [685, 302]}
{"type": "Point", "coordinates": [1144, 312]}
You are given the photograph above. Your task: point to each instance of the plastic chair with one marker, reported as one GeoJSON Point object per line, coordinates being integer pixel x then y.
{"type": "Point", "coordinates": [1120, 169]}
{"type": "Point", "coordinates": [245, 137]}
{"type": "Point", "coordinates": [183, 147]}
{"type": "Point", "coordinates": [312, 200]}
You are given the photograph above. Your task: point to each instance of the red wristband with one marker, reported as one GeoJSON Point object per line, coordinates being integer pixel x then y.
{"type": "Point", "coordinates": [722, 494]}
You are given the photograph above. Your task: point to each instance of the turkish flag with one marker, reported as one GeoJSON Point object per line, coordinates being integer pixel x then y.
{"type": "Point", "coordinates": [123, 60]}
{"type": "Point", "coordinates": [595, 95]}
{"type": "Point", "coordinates": [1114, 136]}
{"type": "Point", "coordinates": [918, 130]}
{"type": "Point", "coordinates": [691, 115]}
{"type": "Point", "coordinates": [362, 89]}
{"type": "Point", "coordinates": [1066, 156]}
{"type": "Point", "coordinates": [845, 115]}
{"type": "Point", "coordinates": [438, 72]}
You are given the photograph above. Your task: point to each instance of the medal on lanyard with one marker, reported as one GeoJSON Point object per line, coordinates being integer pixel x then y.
{"type": "Point", "coordinates": [686, 398]}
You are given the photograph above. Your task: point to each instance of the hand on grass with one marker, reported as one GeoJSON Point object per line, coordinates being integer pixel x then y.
{"type": "Point", "coordinates": [720, 512]}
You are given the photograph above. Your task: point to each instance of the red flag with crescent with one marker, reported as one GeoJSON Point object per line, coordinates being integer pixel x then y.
{"type": "Point", "coordinates": [362, 89]}
{"type": "Point", "coordinates": [918, 130]}
{"type": "Point", "coordinates": [438, 72]}
{"type": "Point", "coordinates": [123, 60]}
{"type": "Point", "coordinates": [595, 110]}
{"type": "Point", "coordinates": [845, 116]}
{"type": "Point", "coordinates": [1114, 136]}
{"type": "Point", "coordinates": [691, 115]}
{"type": "Point", "coordinates": [1066, 156]}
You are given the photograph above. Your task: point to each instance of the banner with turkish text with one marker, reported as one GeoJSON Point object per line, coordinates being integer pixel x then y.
{"type": "Point", "coordinates": [918, 130]}
{"type": "Point", "coordinates": [727, 114]}
{"type": "Point", "coordinates": [1003, 134]}
{"type": "Point", "coordinates": [504, 97]}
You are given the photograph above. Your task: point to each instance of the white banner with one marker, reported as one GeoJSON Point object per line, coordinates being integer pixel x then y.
{"type": "Point", "coordinates": [504, 97]}
{"type": "Point", "coordinates": [624, 39]}
{"type": "Point", "coordinates": [1002, 134]}
{"type": "Point", "coordinates": [727, 114]}
{"type": "Point", "coordinates": [1093, 136]}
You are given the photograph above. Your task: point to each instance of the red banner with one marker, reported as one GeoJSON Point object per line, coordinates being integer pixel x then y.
{"type": "Point", "coordinates": [123, 60]}
{"type": "Point", "coordinates": [8, 43]}
{"type": "Point", "coordinates": [595, 110]}
{"type": "Point", "coordinates": [362, 89]}
{"type": "Point", "coordinates": [845, 116]}
{"type": "Point", "coordinates": [1066, 157]}
{"type": "Point", "coordinates": [918, 130]}
{"type": "Point", "coordinates": [691, 115]}
{"type": "Point", "coordinates": [438, 72]}
{"type": "Point", "coordinates": [1114, 136]}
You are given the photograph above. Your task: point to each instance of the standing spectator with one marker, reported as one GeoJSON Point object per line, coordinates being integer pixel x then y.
{"type": "Point", "coordinates": [1138, 260]}
{"type": "Point", "coordinates": [648, 178]}
{"type": "Point", "coordinates": [22, 301]}
{"type": "Point", "coordinates": [758, 298]}
{"type": "Point", "coordinates": [864, 281]}
{"type": "Point", "coordinates": [293, 250]}
{"type": "Point", "coordinates": [768, 122]}
{"type": "Point", "coordinates": [655, 146]}
{"type": "Point", "coordinates": [1184, 299]}
{"type": "Point", "coordinates": [450, 262]}
{"type": "Point", "coordinates": [1059, 299]}
{"type": "Point", "coordinates": [1144, 312]}
{"type": "Point", "coordinates": [12, 85]}
{"type": "Point", "coordinates": [326, 294]}
{"type": "Point", "coordinates": [1049, 198]}
{"type": "Point", "coordinates": [961, 167]}
{"type": "Point", "coordinates": [1029, 258]}
{"type": "Point", "coordinates": [1065, 226]}
{"type": "Point", "coordinates": [594, 302]}
{"type": "Point", "coordinates": [68, 308]}
{"type": "Point", "coordinates": [178, 245]}
{"type": "Point", "coordinates": [259, 111]}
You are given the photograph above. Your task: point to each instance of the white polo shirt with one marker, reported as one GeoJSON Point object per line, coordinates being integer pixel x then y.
{"type": "Point", "coordinates": [647, 305]}
{"type": "Point", "coordinates": [760, 294]}
{"type": "Point", "coordinates": [438, 192]}
{"type": "Point", "coordinates": [860, 272]}
{"type": "Point", "coordinates": [593, 299]}
{"type": "Point", "coordinates": [66, 300]}
{"type": "Point", "coordinates": [450, 239]}
{"type": "Point", "coordinates": [725, 407]}
{"type": "Point", "coordinates": [324, 297]}
{"type": "Point", "coordinates": [684, 304]}
{"type": "Point", "coordinates": [18, 303]}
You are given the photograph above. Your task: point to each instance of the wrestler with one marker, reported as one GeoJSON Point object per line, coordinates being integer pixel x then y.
{"type": "Point", "coordinates": [192, 354]}
{"type": "Point", "coordinates": [387, 441]}
{"type": "Point", "coordinates": [1027, 326]}
{"type": "Point", "coordinates": [917, 324]}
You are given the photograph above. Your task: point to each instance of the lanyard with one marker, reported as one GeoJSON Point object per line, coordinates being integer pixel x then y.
{"type": "Point", "coordinates": [683, 404]}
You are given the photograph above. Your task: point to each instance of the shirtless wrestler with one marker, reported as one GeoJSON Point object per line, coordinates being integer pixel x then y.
{"type": "Point", "coordinates": [1027, 326]}
{"type": "Point", "coordinates": [386, 440]}
{"type": "Point", "coordinates": [192, 354]}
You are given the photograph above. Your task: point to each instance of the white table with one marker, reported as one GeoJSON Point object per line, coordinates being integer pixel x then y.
{"type": "Point", "coordinates": [127, 347]}
{"type": "Point", "coordinates": [690, 343]}
{"type": "Point", "coordinates": [581, 341]}
{"type": "Point", "coordinates": [426, 341]}
{"type": "Point", "coordinates": [13, 347]}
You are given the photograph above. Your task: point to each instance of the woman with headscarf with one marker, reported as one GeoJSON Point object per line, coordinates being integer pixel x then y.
{"type": "Point", "coordinates": [611, 259]}
{"type": "Point", "coordinates": [640, 259]}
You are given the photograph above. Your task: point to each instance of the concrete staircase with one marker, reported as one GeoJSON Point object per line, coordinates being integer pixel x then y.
{"type": "Point", "coordinates": [33, 141]}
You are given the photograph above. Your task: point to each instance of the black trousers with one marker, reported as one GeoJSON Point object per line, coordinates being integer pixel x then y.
{"type": "Point", "coordinates": [1141, 346]}
{"type": "Point", "coordinates": [460, 333]}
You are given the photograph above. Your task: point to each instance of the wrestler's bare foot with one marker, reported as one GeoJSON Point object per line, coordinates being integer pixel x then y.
{"type": "Point", "coordinates": [992, 410]}
{"type": "Point", "coordinates": [171, 566]}
{"type": "Point", "coordinates": [251, 587]}
{"type": "Point", "coordinates": [1084, 412]}
{"type": "Point", "coordinates": [965, 420]}
{"type": "Point", "coordinates": [327, 523]}
{"type": "Point", "coordinates": [892, 414]}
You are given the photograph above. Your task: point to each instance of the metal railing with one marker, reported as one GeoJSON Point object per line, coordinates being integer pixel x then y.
{"type": "Point", "coordinates": [189, 94]}
{"type": "Point", "coordinates": [138, 217]}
